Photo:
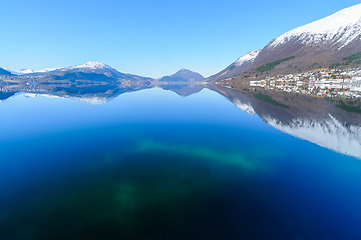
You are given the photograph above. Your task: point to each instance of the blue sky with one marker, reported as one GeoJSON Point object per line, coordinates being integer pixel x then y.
{"type": "Point", "coordinates": [147, 38]}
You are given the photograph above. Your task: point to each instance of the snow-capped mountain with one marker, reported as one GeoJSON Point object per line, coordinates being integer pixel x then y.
{"type": "Point", "coordinates": [84, 66]}
{"type": "Point", "coordinates": [317, 44]}
{"type": "Point", "coordinates": [90, 65]}
{"type": "Point", "coordinates": [320, 43]}
{"type": "Point", "coordinates": [87, 66]}
{"type": "Point", "coordinates": [238, 67]}
{"type": "Point", "coordinates": [25, 71]}
{"type": "Point", "coordinates": [87, 70]}
{"type": "Point", "coordinates": [339, 29]}
{"type": "Point", "coordinates": [48, 70]}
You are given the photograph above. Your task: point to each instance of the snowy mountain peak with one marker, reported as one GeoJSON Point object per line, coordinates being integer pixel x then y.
{"type": "Point", "coordinates": [340, 28]}
{"type": "Point", "coordinates": [247, 57]}
{"type": "Point", "coordinates": [48, 70]}
{"type": "Point", "coordinates": [90, 65]}
{"type": "Point", "coordinates": [25, 71]}
{"type": "Point", "coordinates": [87, 65]}
{"type": "Point", "coordinates": [20, 72]}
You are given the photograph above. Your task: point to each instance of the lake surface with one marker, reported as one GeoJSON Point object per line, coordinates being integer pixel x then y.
{"type": "Point", "coordinates": [151, 164]}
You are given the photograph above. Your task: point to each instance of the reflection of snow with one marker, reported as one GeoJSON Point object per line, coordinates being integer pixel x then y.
{"type": "Point", "coordinates": [245, 107]}
{"type": "Point", "coordinates": [30, 95]}
{"type": "Point", "coordinates": [91, 100]}
{"type": "Point", "coordinates": [50, 96]}
{"type": "Point", "coordinates": [25, 94]}
{"type": "Point", "coordinates": [328, 133]}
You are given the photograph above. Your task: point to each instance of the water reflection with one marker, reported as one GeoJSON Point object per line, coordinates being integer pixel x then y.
{"type": "Point", "coordinates": [100, 94]}
{"type": "Point", "coordinates": [153, 165]}
{"type": "Point", "coordinates": [318, 120]}
{"type": "Point", "coordinates": [330, 124]}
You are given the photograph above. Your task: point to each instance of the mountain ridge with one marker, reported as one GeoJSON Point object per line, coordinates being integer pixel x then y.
{"type": "Point", "coordinates": [328, 28]}
{"type": "Point", "coordinates": [315, 45]}
{"type": "Point", "coordinates": [86, 69]}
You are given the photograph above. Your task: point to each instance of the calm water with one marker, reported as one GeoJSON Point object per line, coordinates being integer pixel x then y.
{"type": "Point", "coordinates": [154, 165]}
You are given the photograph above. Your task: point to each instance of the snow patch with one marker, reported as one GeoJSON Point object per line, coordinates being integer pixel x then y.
{"type": "Point", "coordinates": [87, 65]}
{"type": "Point", "coordinates": [90, 65]}
{"type": "Point", "coordinates": [91, 100]}
{"type": "Point", "coordinates": [249, 57]}
{"type": "Point", "coordinates": [341, 28]}
{"type": "Point", "coordinates": [48, 70]}
{"type": "Point", "coordinates": [25, 71]}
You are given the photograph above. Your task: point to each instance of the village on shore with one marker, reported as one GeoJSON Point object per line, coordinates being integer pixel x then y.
{"type": "Point", "coordinates": [22, 83]}
{"type": "Point", "coordinates": [344, 83]}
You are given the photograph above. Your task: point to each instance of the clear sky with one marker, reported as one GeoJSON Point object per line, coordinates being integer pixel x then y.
{"type": "Point", "coordinates": [145, 37]}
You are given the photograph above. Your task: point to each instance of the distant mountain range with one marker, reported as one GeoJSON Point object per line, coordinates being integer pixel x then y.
{"type": "Point", "coordinates": [315, 45]}
{"type": "Point", "coordinates": [85, 71]}
{"type": "Point", "coordinates": [93, 80]}
{"type": "Point", "coordinates": [89, 71]}
{"type": "Point", "coordinates": [100, 71]}
{"type": "Point", "coordinates": [319, 44]}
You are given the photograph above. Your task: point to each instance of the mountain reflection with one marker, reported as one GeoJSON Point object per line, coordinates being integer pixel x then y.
{"type": "Point", "coordinates": [327, 123]}
{"type": "Point", "coordinates": [95, 93]}
{"type": "Point", "coordinates": [320, 121]}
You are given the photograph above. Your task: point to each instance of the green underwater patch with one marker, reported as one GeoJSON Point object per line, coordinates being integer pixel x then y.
{"type": "Point", "coordinates": [146, 190]}
{"type": "Point", "coordinates": [234, 158]}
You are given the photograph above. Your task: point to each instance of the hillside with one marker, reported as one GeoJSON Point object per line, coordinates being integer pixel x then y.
{"type": "Point", "coordinates": [319, 44]}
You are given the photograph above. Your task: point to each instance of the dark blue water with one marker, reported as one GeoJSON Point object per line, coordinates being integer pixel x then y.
{"type": "Point", "coordinates": [153, 165]}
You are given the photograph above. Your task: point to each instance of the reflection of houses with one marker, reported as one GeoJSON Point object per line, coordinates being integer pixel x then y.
{"type": "Point", "coordinates": [332, 127]}
{"type": "Point", "coordinates": [346, 82]}
{"type": "Point", "coordinates": [355, 88]}
{"type": "Point", "coordinates": [355, 80]}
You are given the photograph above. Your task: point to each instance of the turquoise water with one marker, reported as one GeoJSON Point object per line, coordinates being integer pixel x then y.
{"type": "Point", "coordinates": [154, 165]}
